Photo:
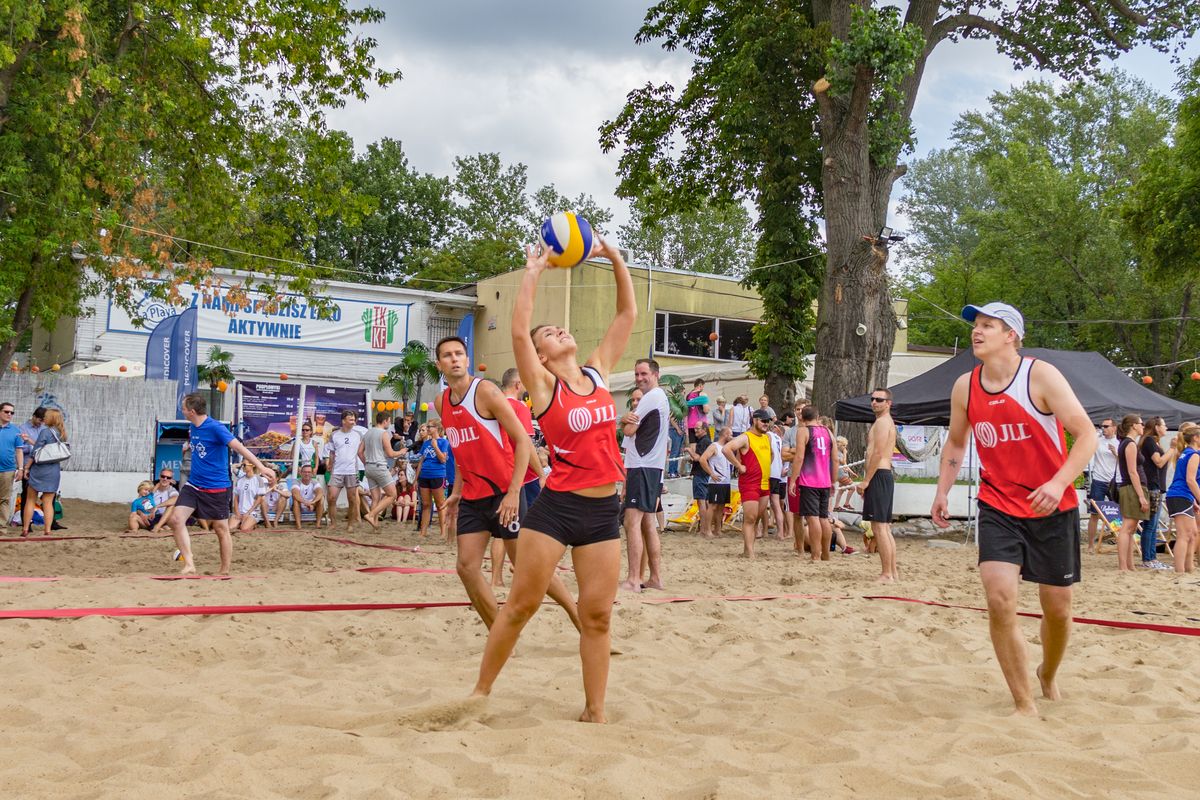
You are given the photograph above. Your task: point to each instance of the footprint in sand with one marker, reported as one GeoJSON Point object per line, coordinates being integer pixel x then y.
{"type": "Point", "coordinates": [440, 716]}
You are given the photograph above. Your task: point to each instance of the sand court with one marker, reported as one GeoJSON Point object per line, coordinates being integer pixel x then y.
{"type": "Point", "coordinates": [816, 693]}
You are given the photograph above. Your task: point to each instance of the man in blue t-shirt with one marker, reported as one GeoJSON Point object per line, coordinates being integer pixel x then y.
{"type": "Point", "coordinates": [208, 486]}
{"type": "Point", "coordinates": [12, 460]}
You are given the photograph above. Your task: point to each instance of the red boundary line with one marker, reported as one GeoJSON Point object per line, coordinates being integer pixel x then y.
{"type": "Point", "coordinates": [179, 611]}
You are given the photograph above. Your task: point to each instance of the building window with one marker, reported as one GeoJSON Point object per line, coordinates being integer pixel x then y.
{"type": "Point", "coordinates": [441, 327]}
{"type": "Point", "coordinates": [690, 335]}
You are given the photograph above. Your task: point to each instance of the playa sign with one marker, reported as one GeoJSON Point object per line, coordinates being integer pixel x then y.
{"type": "Point", "coordinates": [358, 326]}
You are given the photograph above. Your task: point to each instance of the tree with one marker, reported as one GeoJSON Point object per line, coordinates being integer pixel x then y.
{"type": "Point", "coordinates": [125, 128]}
{"type": "Point", "coordinates": [713, 238]}
{"type": "Point", "coordinates": [411, 373]}
{"type": "Point", "coordinates": [864, 66]}
{"type": "Point", "coordinates": [1065, 158]}
{"type": "Point", "coordinates": [547, 201]}
{"type": "Point", "coordinates": [216, 370]}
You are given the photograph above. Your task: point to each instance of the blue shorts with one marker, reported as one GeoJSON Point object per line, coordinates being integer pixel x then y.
{"type": "Point", "coordinates": [1098, 491]}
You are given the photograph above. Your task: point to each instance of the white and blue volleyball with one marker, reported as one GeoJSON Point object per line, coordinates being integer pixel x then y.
{"type": "Point", "coordinates": [568, 237]}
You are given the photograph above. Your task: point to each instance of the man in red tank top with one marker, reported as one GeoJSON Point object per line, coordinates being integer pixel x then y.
{"type": "Point", "coordinates": [1017, 409]}
{"type": "Point", "coordinates": [491, 453]}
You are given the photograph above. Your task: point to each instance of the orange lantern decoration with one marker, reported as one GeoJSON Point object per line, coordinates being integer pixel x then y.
{"type": "Point", "coordinates": [122, 368]}
{"type": "Point", "coordinates": [35, 368]}
{"type": "Point", "coordinates": [382, 376]}
{"type": "Point", "coordinates": [14, 366]}
{"type": "Point", "coordinates": [712, 337]}
{"type": "Point", "coordinates": [222, 386]}
{"type": "Point", "coordinates": [55, 367]}
{"type": "Point", "coordinates": [283, 376]}
{"type": "Point", "coordinates": [1196, 376]}
{"type": "Point", "coordinates": [483, 367]}
{"type": "Point", "coordinates": [1146, 379]}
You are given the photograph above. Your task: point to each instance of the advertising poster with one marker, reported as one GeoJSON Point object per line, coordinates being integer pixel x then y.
{"type": "Point", "coordinates": [324, 404]}
{"type": "Point", "coordinates": [268, 422]}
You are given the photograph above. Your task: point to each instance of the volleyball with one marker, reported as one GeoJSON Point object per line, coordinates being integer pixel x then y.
{"type": "Point", "coordinates": [568, 238]}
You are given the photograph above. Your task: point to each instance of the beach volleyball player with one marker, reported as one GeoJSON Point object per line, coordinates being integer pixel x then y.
{"type": "Point", "coordinates": [208, 486]}
{"type": "Point", "coordinates": [491, 453]}
{"type": "Point", "coordinates": [1017, 408]}
{"type": "Point", "coordinates": [579, 506]}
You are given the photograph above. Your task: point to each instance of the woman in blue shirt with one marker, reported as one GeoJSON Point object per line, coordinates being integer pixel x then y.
{"type": "Point", "coordinates": [1182, 497]}
{"type": "Point", "coordinates": [431, 476]}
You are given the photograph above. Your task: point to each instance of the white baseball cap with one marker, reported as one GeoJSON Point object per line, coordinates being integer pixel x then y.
{"type": "Point", "coordinates": [1001, 311]}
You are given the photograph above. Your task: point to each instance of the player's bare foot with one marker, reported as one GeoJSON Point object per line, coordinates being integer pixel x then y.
{"type": "Point", "coordinates": [653, 585]}
{"type": "Point", "coordinates": [1025, 711]}
{"type": "Point", "coordinates": [630, 586]}
{"type": "Point", "coordinates": [1049, 687]}
{"type": "Point", "coordinates": [372, 522]}
{"type": "Point", "coordinates": [188, 569]}
{"type": "Point", "coordinates": [594, 717]}
{"type": "Point", "coordinates": [885, 579]}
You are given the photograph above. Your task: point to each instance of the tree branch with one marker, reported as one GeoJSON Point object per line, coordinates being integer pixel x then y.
{"type": "Point", "coordinates": [860, 97]}
{"type": "Point", "coordinates": [1105, 28]}
{"type": "Point", "coordinates": [967, 23]}
{"type": "Point", "coordinates": [1141, 20]}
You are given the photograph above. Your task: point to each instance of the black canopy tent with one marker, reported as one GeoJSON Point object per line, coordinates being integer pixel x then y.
{"type": "Point", "coordinates": [1103, 390]}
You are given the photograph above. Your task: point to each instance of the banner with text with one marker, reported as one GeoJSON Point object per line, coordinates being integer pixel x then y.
{"type": "Point", "coordinates": [268, 421]}
{"type": "Point", "coordinates": [358, 326]}
{"type": "Point", "coordinates": [324, 404]}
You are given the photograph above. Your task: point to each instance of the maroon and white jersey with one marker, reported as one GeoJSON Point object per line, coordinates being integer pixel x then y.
{"type": "Point", "coordinates": [1020, 446]}
{"type": "Point", "coordinates": [581, 434]}
{"type": "Point", "coordinates": [482, 453]}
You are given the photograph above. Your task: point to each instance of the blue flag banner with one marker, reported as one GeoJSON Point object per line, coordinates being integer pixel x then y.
{"type": "Point", "coordinates": [159, 360]}
{"type": "Point", "coordinates": [466, 332]}
{"type": "Point", "coordinates": [185, 344]}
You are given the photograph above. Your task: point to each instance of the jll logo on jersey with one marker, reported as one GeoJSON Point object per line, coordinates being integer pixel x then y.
{"type": "Point", "coordinates": [580, 419]}
{"type": "Point", "coordinates": [458, 436]}
{"type": "Point", "coordinates": [986, 435]}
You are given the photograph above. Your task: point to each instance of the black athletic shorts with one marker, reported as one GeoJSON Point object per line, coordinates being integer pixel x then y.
{"type": "Point", "coordinates": [1046, 548]}
{"type": "Point", "coordinates": [814, 502]}
{"type": "Point", "coordinates": [1180, 505]}
{"type": "Point", "coordinates": [877, 499]}
{"type": "Point", "coordinates": [573, 519]}
{"type": "Point", "coordinates": [719, 493]}
{"type": "Point", "coordinates": [778, 487]}
{"type": "Point", "coordinates": [483, 516]}
{"type": "Point", "coordinates": [643, 487]}
{"type": "Point", "coordinates": [431, 483]}
{"type": "Point", "coordinates": [210, 505]}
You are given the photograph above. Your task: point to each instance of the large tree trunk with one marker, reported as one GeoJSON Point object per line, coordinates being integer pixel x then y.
{"type": "Point", "coordinates": [20, 324]}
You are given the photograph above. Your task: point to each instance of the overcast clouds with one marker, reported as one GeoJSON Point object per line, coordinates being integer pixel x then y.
{"type": "Point", "coordinates": [533, 81]}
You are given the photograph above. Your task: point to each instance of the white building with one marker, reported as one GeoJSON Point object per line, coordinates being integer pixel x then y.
{"type": "Point", "coordinates": [360, 338]}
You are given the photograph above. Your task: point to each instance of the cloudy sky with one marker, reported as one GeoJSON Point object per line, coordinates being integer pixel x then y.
{"type": "Point", "coordinates": [533, 81]}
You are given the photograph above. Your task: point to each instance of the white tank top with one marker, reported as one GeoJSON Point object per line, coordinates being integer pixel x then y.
{"type": "Point", "coordinates": [719, 464]}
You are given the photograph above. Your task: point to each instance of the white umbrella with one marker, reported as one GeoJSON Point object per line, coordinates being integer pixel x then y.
{"type": "Point", "coordinates": [117, 368]}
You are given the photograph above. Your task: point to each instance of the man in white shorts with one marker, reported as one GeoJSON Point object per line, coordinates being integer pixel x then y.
{"type": "Point", "coordinates": [307, 496]}
{"type": "Point", "coordinates": [342, 466]}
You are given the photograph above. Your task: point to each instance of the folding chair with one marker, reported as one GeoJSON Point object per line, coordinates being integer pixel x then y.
{"type": "Point", "coordinates": [689, 519]}
{"type": "Point", "coordinates": [732, 517]}
{"type": "Point", "coordinates": [1110, 514]}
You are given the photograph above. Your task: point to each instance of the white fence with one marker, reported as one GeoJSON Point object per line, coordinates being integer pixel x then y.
{"type": "Point", "coordinates": [110, 421]}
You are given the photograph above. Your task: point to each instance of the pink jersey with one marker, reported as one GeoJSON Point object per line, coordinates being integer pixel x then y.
{"type": "Point", "coordinates": [815, 471]}
{"type": "Point", "coordinates": [1020, 446]}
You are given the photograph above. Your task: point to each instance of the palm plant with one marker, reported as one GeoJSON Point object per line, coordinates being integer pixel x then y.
{"type": "Point", "coordinates": [215, 370]}
{"type": "Point", "coordinates": [410, 374]}
{"type": "Point", "coordinates": [672, 385]}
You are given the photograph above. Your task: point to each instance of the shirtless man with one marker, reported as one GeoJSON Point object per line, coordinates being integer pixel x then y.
{"type": "Point", "coordinates": [878, 486]}
{"type": "Point", "coordinates": [491, 454]}
{"type": "Point", "coordinates": [750, 454]}
{"type": "Point", "coordinates": [307, 495]}
{"type": "Point", "coordinates": [1017, 408]}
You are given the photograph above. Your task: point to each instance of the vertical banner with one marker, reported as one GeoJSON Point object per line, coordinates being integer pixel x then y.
{"type": "Point", "coordinates": [159, 362]}
{"type": "Point", "coordinates": [466, 332]}
{"type": "Point", "coordinates": [268, 422]}
{"type": "Point", "coordinates": [323, 405]}
{"type": "Point", "coordinates": [185, 344]}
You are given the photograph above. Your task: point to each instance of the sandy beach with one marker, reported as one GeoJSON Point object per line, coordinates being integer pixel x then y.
{"type": "Point", "coordinates": [829, 695]}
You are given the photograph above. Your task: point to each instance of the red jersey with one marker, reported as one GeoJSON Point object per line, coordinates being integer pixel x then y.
{"type": "Point", "coordinates": [482, 453]}
{"type": "Point", "coordinates": [1020, 446]}
{"type": "Point", "coordinates": [581, 434]}
{"type": "Point", "coordinates": [526, 420]}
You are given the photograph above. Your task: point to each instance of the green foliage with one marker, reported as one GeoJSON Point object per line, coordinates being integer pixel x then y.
{"type": "Point", "coordinates": [217, 368]}
{"type": "Point", "coordinates": [712, 238]}
{"type": "Point", "coordinates": [672, 386]}
{"type": "Point", "coordinates": [123, 126]}
{"type": "Point", "coordinates": [883, 48]}
{"type": "Point", "coordinates": [742, 128]}
{"type": "Point", "coordinates": [407, 377]}
{"type": "Point", "coordinates": [547, 201]}
{"type": "Point", "coordinates": [1164, 207]}
{"type": "Point", "coordinates": [1028, 209]}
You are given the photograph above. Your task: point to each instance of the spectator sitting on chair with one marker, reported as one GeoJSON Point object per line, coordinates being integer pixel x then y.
{"type": "Point", "coordinates": [165, 494]}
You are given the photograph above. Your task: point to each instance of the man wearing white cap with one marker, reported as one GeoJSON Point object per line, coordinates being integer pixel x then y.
{"type": "Point", "coordinates": [1017, 408]}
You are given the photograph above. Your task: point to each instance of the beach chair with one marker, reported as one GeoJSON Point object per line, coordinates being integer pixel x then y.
{"type": "Point", "coordinates": [1110, 515]}
{"type": "Point", "coordinates": [689, 519]}
{"type": "Point", "coordinates": [733, 512]}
